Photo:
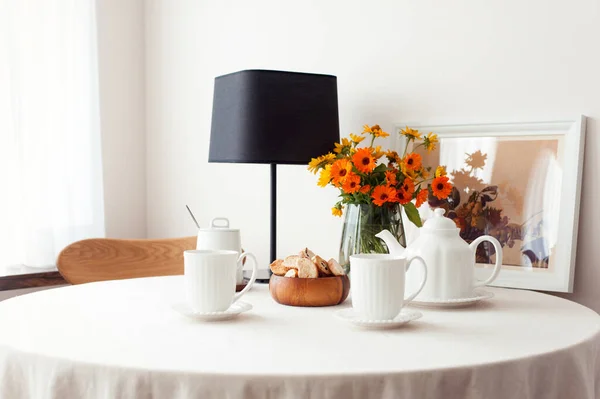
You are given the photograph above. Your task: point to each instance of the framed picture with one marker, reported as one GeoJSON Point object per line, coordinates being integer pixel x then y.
{"type": "Point", "coordinates": [518, 182]}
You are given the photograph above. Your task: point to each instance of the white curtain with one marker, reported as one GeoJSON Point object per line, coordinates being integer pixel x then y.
{"type": "Point", "coordinates": [50, 154]}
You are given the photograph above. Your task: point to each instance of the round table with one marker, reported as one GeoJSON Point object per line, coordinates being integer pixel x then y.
{"type": "Point", "coordinates": [122, 339]}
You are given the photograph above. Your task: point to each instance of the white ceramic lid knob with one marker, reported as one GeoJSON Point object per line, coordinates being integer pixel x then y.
{"type": "Point", "coordinates": [439, 222]}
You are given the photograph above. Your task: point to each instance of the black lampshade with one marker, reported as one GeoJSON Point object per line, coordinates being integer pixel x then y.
{"type": "Point", "coordinates": [274, 117]}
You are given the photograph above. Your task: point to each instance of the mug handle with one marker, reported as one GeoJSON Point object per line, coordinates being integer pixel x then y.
{"type": "Point", "coordinates": [241, 260]}
{"type": "Point", "coordinates": [252, 278]}
{"type": "Point", "coordinates": [498, 264]}
{"type": "Point", "coordinates": [414, 294]}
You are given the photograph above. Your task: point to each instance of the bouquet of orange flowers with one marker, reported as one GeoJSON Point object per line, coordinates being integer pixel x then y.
{"type": "Point", "coordinates": [368, 175]}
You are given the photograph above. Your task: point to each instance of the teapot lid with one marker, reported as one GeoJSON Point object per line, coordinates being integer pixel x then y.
{"type": "Point", "coordinates": [439, 222]}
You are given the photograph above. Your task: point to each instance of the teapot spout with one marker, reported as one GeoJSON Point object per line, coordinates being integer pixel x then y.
{"type": "Point", "coordinates": [390, 241]}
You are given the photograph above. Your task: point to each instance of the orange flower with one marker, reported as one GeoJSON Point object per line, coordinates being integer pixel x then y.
{"type": "Point", "coordinates": [441, 187]}
{"type": "Point", "coordinates": [422, 197]}
{"type": "Point", "coordinates": [383, 194]}
{"type": "Point", "coordinates": [402, 197]}
{"type": "Point", "coordinates": [390, 176]}
{"type": "Point", "coordinates": [339, 171]}
{"type": "Point", "coordinates": [363, 160]}
{"type": "Point", "coordinates": [351, 183]}
{"type": "Point", "coordinates": [365, 189]}
{"type": "Point", "coordinates": [412, 161]}
{"type": "Point", "coordinates": [408, 186]}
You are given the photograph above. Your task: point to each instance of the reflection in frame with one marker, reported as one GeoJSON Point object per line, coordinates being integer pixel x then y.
{"type": "Point", "coordinates": [521, 184]}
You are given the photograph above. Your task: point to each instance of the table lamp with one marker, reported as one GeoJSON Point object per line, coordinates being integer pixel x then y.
{"type": "Point", "coordinates": [273, 117]}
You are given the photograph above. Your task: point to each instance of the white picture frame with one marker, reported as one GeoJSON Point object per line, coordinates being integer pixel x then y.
{"type": "Point", "coordinates": [569, 135]}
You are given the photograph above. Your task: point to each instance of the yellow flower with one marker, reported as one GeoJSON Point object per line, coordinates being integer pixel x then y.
{"type": "Point", "coordinates": [356, 138]}
{"type": "Point", "coordinates": [335, 211]}
{"type": "Point", "coordinates": [313, 165]}
{"type": "Point", "coordinates": [440, 171]}
{"type": "Point", "coordinates": [325, 176]}
{"type": "Point", "coordinates": [329, 157]}
{"type": "Point", "coordinates": [430, 141]}
{"type": "Point", "coordinates": [377, 153]}
{"type": "Point", "coordinates": [411, 134]}
{"type": "Point", "coordinates": [407, 171]}
{"type": "Point", "coordinates": [378, 132]}
{"type": "Point", "coordinates": [321, 161]}
{"type": "Point", "coordinates": [366, 129]}
{"type": "Point", "coordinates": [339, 148]}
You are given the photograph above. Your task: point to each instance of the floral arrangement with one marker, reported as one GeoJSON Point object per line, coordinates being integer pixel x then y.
{"type": "Point", "coordinates": [368, 175]}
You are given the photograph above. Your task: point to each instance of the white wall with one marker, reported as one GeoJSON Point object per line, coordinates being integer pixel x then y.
{"type": "Point", "coordinates": [421, 61]}
{"type": "Point", "coordinates": [122, 115]}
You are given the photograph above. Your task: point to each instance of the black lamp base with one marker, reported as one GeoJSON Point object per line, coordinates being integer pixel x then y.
{"type": "Point", "coordinates": [264, 275]}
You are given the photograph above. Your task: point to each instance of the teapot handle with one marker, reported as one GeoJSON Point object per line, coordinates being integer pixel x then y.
{"type": "Point", "coordinates": [498, 264]}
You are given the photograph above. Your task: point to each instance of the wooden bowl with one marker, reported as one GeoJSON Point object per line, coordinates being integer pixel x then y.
{"type": "Point", "coordinates": [323, 291]}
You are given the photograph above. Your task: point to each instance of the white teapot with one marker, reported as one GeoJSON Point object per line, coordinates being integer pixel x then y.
{"type": "Point", "coordinates": [450, 260]}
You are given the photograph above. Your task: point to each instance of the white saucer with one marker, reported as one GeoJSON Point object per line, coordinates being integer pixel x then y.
{"type": "Point", "coordinates": [478, 295]}
{"type": "Point", "coordinates": [404, 317]}
{"type": "Point", "coordinates": [233, 311]}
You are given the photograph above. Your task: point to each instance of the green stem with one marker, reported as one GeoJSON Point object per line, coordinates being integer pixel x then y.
{"type": "Point", "coordinates": [406, 147]}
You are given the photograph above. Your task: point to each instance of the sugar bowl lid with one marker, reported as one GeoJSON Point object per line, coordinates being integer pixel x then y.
{"type": "Point", "coordinates": [219, 224]}
{"type": "Point", "coordinates": [439, 222]}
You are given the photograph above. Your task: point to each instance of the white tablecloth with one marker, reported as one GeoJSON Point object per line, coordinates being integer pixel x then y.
{"type": "Point", "coordinates": [122, 339]}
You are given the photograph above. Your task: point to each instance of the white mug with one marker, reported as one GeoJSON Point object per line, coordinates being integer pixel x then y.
{"type": "Point", "coordinates": [219, 236]}
{"type": "Point", "coordinates": [377, 284]}
{"type": "Point", "coordinates": [210, 279]}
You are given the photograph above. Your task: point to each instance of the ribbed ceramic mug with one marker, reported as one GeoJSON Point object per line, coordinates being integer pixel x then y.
{"type": "Point", "coordinates": [210, 279]}
{"type": "Point", "coordinates": [377, 284]}
{"type": "Point", "coordinates": [220, 236]}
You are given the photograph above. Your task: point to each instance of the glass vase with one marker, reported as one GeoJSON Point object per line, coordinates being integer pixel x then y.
{"type": "Point", "coordinates": [362, 222]}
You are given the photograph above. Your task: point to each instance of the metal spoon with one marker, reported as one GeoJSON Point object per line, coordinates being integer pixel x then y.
{"type": "Point", "coordinates": [192, 215]}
